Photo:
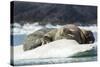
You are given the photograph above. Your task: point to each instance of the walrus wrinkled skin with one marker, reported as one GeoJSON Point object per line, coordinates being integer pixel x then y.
{"type": "Point", "coordinates": [34, 39]}
{"type": "Point", "coordinates": [87, 36]}
{"type": "Point", "coordinates": [69, 31]}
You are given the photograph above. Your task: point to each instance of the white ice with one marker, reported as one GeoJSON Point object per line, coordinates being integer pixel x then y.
{"type": "Point", "coordinates": [59, 48]}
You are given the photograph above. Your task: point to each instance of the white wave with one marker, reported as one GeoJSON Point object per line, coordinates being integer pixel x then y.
{"type": "Point", "coordinates": [30, 28]}
{"type": "Point", "coordinates": [59, 48]}
{"type": "Point", "coordinates": [52, 26]}
{"type": "Point", "coordinates": [26, 28]}
{"type": "Point", "coordinates": [16, 25]}
{"type": "Point", "coordinates": [92, 28]}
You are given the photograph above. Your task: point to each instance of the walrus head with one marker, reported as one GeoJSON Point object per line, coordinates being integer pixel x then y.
{"type": "Point", "coordinates": [71, 31]}
{"type": "Point", "coordinates": [82, 36]}
{"type": "Point", "coordinates": [87, 36]}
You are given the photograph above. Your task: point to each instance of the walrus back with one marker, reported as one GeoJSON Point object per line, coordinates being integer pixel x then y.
{"type": "Point", "coordinates": [33, 40]}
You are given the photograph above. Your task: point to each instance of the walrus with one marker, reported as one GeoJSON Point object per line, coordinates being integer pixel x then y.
{"type": "Point", "coordinates": [70, 31]}
{"type": "Point", "coordinates": [34, 39]}
{"type": "Point", "coordinates": [47, 35]}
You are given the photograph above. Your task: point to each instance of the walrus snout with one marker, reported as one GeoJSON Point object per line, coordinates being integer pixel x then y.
{"type": "Point", "coordinates": [90, 37]}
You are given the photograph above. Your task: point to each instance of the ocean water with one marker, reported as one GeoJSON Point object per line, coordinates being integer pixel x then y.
{"type": "Point", "coordinates": [21, 32]}
{"type": "Point", "coordinates": [18, 39]}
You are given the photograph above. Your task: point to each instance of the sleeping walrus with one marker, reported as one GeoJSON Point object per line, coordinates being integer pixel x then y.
{"type": "Point", "coordinates": [69, 31]}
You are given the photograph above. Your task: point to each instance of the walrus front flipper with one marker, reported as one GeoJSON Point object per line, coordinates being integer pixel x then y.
{"type": "Point", "coordinates": [49, 36]}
